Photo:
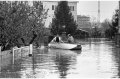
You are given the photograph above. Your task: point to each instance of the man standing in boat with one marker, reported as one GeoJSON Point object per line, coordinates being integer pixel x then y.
{"type": "Point", "coordinates": [57, 39]}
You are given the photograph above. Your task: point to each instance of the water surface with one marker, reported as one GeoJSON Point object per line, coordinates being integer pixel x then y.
{"type": "Point", "coordinates": [99, 58]}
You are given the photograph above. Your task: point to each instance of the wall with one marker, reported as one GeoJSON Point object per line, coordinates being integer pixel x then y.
{"type": "Point", "coordinates": [84, 23]}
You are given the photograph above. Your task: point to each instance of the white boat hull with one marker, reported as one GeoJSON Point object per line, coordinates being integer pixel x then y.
{"type": "Point", "coordinates": [65, 46]}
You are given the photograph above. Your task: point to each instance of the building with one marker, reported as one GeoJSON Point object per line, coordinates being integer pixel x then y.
{"type": "Point", "coordinates": [84, 23]}
{"type": "Point", "coordinates": [51, 5]}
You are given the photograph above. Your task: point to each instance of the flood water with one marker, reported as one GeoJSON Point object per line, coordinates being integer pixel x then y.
{"type": "Point", "coordinates": [99, 58]}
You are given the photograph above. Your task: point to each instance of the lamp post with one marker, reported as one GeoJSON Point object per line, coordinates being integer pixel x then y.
{"type": "Point", "coordinates": [64, 28]}
{"type": "Point", "coordinates": [64, 33]}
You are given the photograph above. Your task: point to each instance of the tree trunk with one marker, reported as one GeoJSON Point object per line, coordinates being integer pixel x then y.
{"type": "Point", "coordinates": [34, 36]}
{"type": "Point", "coordinates": [23, 41]}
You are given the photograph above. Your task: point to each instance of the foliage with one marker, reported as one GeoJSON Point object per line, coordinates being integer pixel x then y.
{"type": "Point", "coordinates": [113, 27]}
{"type": "Point", "coordinates": [105, 26]}
{"type": "Point", "coordinates": [20, 20]}
{"type": "Point", "coordinates": [115, 19]}
{"type": "Point", "coordinates": [63, 19]}
{"type": "Point", "coordinates": [96, 32]}
{"type": "Point", "coordinates": [81, 34]}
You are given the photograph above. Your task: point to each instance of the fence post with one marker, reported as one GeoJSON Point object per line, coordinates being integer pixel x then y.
{"type": "Point", "coordinates": [30, 50]}
{"type": "Point", "coordinates": [13, 53]}
{"type": "Point", "coordinates": [0, 51]}
{"type": "Point", "coordinates": [0, 58]}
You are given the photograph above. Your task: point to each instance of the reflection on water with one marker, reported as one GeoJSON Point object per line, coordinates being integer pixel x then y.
{"type": "Point", "coordinates": [99, 58]}
{"type": "Point", "coordinates": [64, 60]}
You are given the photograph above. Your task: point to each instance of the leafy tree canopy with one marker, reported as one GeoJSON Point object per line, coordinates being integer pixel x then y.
{"type": "Point", "coordinates": [63, 20]}
{"type": "Point", "coordinates": [19, 20]}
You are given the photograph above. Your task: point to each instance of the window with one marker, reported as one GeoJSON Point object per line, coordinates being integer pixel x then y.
{"type": "Point", "coordinates": [71, 8]}
{"type": "Point", "coordinates": [42, 6]}
{"type": "Point", "coordinates": [52, 7]}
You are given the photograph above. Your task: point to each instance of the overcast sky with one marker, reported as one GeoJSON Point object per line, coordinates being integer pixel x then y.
{"type": "Point", "coordinates": [107, 8]}
{"type": "Point", "coordinates": [90, 8]}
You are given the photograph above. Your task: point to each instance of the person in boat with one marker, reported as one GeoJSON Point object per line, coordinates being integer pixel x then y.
{"type": "Point", "coordinates": [70, 39]}
{"type": "Point", "coordinates": [57, 39]}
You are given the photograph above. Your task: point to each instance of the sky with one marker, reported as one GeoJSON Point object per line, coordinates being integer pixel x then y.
{"type": "Point", "coordinates": [90, 8]}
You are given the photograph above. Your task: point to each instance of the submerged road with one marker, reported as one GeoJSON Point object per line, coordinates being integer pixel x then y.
{"type": "Point", "coordinates": [99, 58]}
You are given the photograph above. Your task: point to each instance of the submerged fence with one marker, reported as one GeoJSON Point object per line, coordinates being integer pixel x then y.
{"type": "Point", "coordinates": [9, 56]}
{"type": "Point", "coordinates": [27, 49]}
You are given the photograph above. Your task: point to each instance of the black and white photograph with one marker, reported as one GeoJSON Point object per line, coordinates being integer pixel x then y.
{"type": "Point", "coordinates": [60, 39]}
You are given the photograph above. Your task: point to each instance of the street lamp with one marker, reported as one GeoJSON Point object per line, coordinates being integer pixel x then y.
{"type": "Point", "coordinates": [64, 33]}
{"type": "Point", "coordinates": [63, 28]}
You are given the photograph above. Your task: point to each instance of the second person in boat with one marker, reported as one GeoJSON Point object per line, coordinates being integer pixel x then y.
{"type": "Point", "coordinates": [57, 39]}
{"type": "Point", "coordinates": [70, 39]}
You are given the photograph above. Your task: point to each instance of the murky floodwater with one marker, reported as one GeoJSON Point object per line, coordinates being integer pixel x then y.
{"type": "Point", "coordinates": [99, 58]}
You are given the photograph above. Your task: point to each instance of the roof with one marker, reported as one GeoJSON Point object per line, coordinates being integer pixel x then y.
{"type": "Point", "coordinates": [58, 1]}
{"type": "Point", "coordinates": [83, 16]}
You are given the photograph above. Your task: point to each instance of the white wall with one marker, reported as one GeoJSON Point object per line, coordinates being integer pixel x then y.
{"type": "Point", "coordinates": [47, 5]}
{"type": "Point", "coordinates": [74, 13]}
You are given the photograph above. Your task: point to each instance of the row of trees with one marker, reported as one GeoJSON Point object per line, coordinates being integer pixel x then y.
{"type": "Point", "coordinates": [21, 21]}
{"type": "Point", "coordinates": [64, 22]}
{"type": "Point", "coordinates": [111, 28]}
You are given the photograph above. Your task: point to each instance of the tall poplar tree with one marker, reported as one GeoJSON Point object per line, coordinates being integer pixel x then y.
{"type": "Point", "coordinates": [115, 22]}
{"type": "Point", "coordinates": [113, 26]}
{"type": "Point", "coordinates": [63, 20]}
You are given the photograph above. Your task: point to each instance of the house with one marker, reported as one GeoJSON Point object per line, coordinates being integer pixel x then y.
{"type": "Point", "coordinates": [51, 5]}
{"type": "Point", "coordinates": [84, 23]}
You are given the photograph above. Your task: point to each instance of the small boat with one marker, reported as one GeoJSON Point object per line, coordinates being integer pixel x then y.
{"type": "Point", "coordinates": [67, 46]}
